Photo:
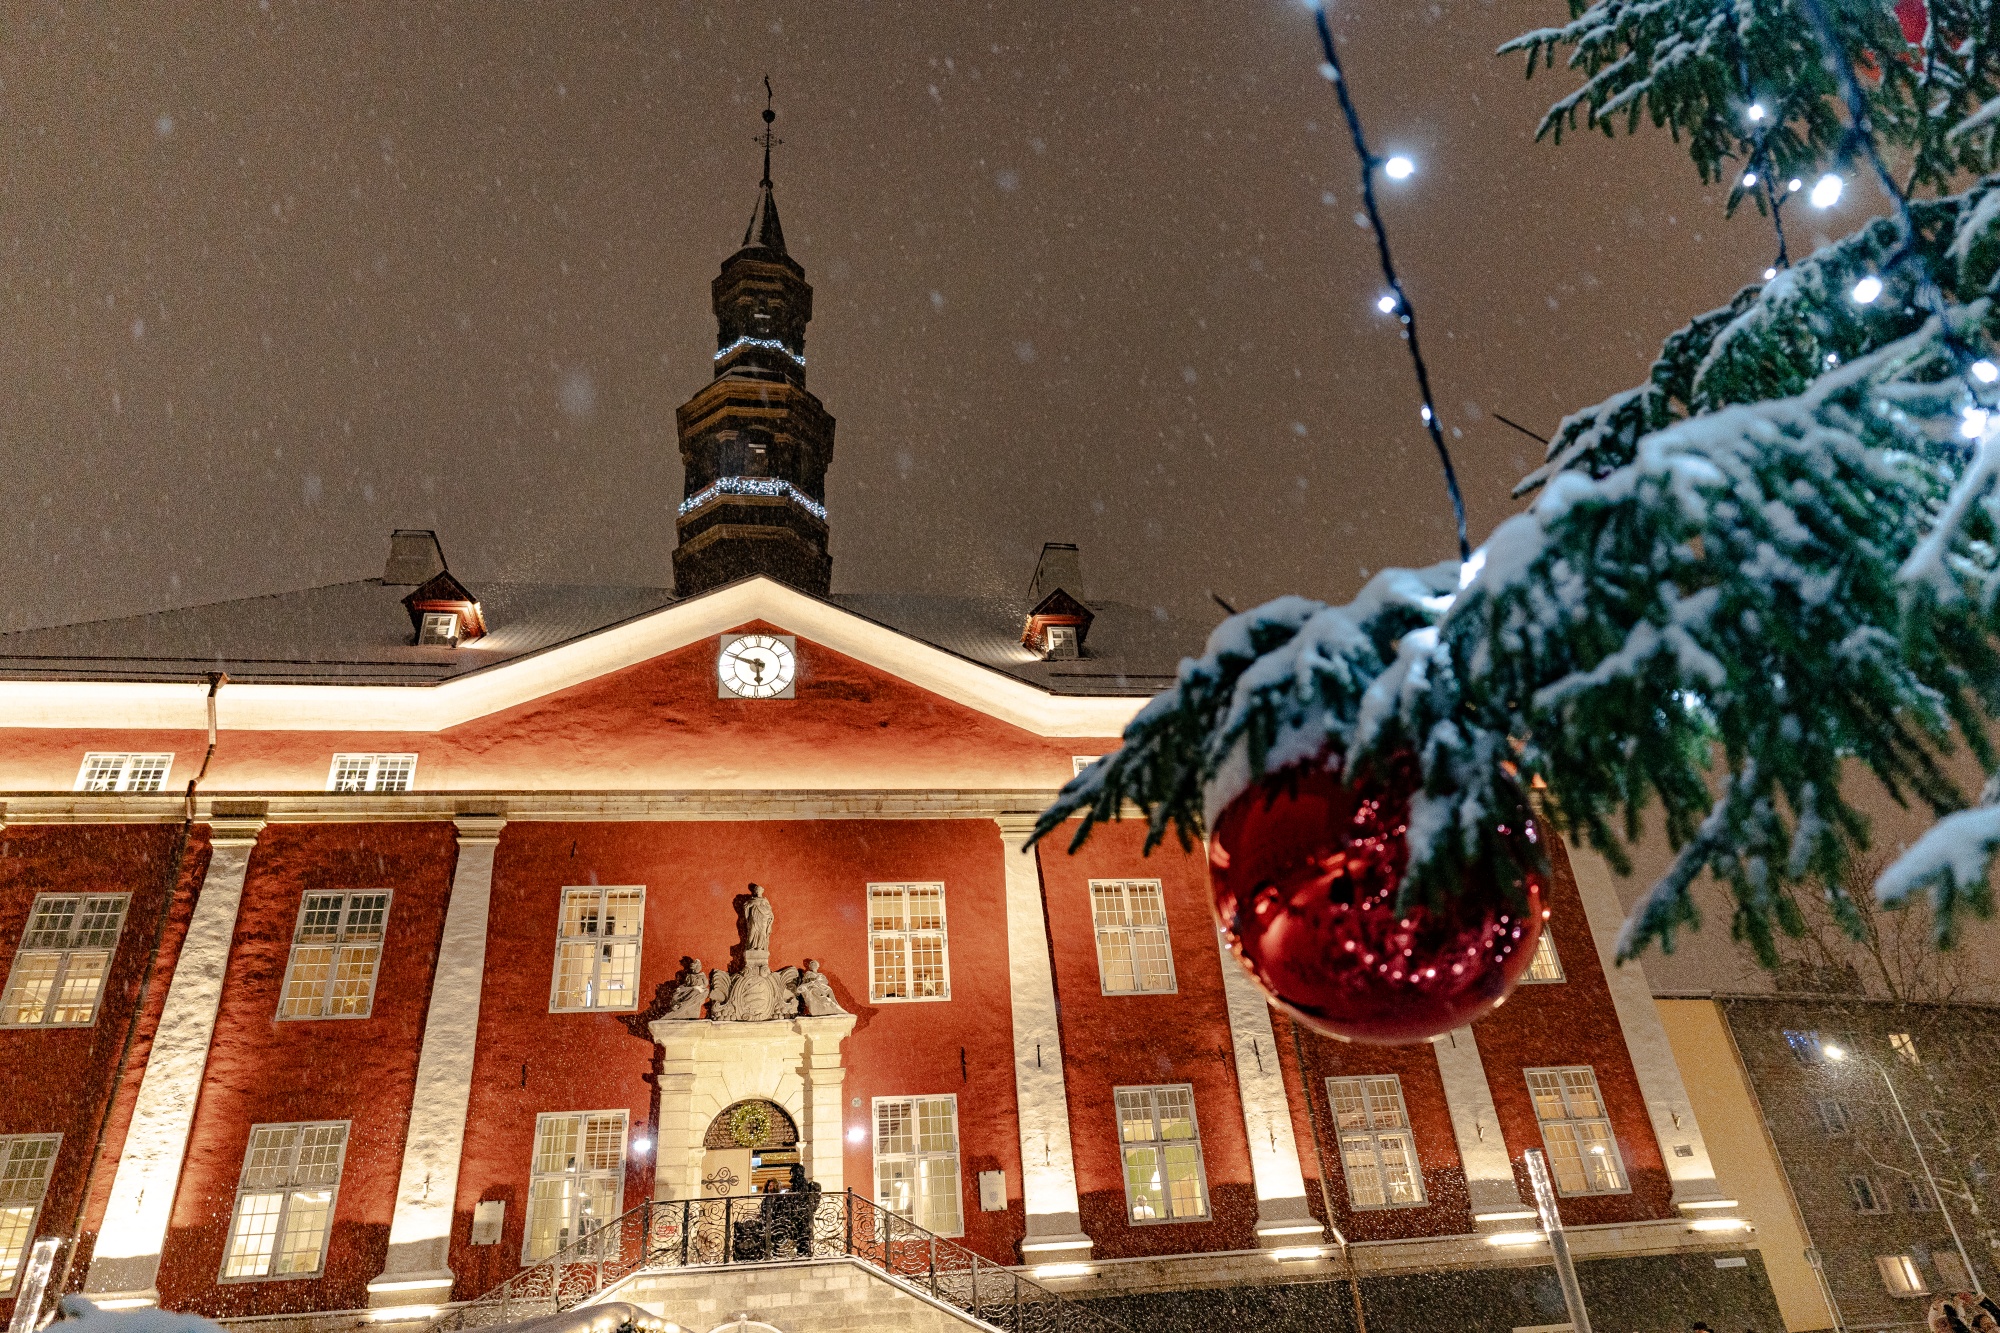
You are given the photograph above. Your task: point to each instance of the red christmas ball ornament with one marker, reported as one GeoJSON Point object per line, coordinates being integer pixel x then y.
{"type": "Point", "coordinates": [1305, 867]}
{"type": "Point", "coordinates": [1915, 18]}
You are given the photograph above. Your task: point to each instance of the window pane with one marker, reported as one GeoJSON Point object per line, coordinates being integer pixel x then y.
{"type": "Point", "coordinates": [52, 923]}
{"type": "Point", "coordinates": [147, 772]}
{"type": "Point", "coordinates": [15, 1226]}
{"type": "Point", "coordinates": [305, 987]}
{"type": "Point", "coordinates": [1144, 1187]}
{"type": "Point", "coordinates": [352, 990]}
{"type": "Point", "coordinates": [29, 986]}
{"type": "Point", "coordinates": [1114, 951]}
{"type": "Point", "coordinates": [82, 981]}
{"type": "Point", "coordinates": [1364, 1173]}
{"type": "Point", "coordinates": [916, 1161]}
{"type": "Point", "coordinates": [1183, 1168]}
{"type": "Point", "coordinates": [254, 1235]}
{"type": "Point", "coordinates": [305, 1227]}
{"type": "Point", "coordinates": [98, 924]}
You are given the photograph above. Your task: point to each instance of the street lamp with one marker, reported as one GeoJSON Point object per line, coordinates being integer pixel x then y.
{"type": "Point", "coordinates": [1836, 1054]}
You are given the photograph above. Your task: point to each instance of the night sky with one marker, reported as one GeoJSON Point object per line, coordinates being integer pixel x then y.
{"type": "Point", "coordinates": [279, 278]}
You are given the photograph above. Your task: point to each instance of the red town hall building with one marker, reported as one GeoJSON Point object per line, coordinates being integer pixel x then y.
{"type": "Point", "coordinates": [352, 985]}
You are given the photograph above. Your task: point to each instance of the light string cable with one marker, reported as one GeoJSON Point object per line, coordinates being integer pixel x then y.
{"type": "Point", "coordinates": [1370, 164]}
{"type": "Point", "coordinates": [1859, 141]}
{"type": "Point", "coordinates": [1760, 161]}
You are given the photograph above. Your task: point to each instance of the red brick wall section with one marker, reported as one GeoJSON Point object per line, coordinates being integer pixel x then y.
{"type": "Point", "coordinates": [531, 1061]}
{"type": "Point", "coordinates": [1186, 1039]}
{"type": "Point", "coordinates": [55, 1080]}
{"type": "Point", "coordinates": [1573, 1023]}
{"type": "Point", "coordinates": [263, 1071]}
{"type": "Point", "coordinates": [1446, 1210]}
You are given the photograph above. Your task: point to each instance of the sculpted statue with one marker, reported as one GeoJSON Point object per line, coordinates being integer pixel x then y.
{"type": "Point", "coordinates": [758, 917]}
{"type": "Point", "coordinates": [690, 993]}
{"type": "Point", "coordinates": [815, 992]}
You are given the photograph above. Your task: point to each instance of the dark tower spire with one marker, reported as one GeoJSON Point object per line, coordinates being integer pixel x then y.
{"type": "Point", "coordinates": [755, 444]}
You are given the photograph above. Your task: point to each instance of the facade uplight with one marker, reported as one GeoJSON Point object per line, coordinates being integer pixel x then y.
{"type": "Point", "coordinates": [1399, 168]}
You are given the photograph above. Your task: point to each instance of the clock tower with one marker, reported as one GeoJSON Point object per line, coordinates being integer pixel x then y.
{"type": "Point", "coordinates": [755, 444]}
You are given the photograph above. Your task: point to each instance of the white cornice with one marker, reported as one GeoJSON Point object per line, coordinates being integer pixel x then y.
{"type": "Point", "coordinates": [151, 705]}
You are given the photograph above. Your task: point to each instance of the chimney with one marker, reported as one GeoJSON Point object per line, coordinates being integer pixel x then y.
{"type": "Point", "coordinates": [414, 558]}
{"type": "Point", "coordinates": [1057, 618]}
{"type": "Point", "coordinates": [1061, 566]}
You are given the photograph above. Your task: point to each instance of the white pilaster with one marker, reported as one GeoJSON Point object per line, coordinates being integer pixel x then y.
{"type": "Point", "coordinates": [1048, 1168]}
{"type": "Point", "coordinates": [1475, 1122]}
{"type": "Point", "coordinates": [418, 1269]}
{"type": "Point", "coordinates": [1283, 1218]}
{"type": "Point", "coordinates": [125, 1266]}
{"type": "Point", "coordinates": [1674, 1125]}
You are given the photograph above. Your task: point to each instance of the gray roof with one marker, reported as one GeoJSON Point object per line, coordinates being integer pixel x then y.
{"type": "Point", "coordinates": [359, 634]}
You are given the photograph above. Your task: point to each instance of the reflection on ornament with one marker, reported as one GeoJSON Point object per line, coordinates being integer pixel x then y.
{"type": "Point", "coordinates": [1305, 868]}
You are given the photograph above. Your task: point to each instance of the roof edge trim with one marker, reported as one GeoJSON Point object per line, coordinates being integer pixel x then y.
{"type": "Point", "coordinates": [148, 705]}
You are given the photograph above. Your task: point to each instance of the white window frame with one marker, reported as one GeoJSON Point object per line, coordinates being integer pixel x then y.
{"type": "Point", "coordinates": [288, 1190]}
{"type": "Point", "coordinates": [1546, 960]}
{"type": "Point", "coordinates": [1159, 1142]}
{"type": "Point", "coordinates": [598, 951]}
{"type": "Point", "coordinates": [446, 621]}
{"type": "Point", "coordinates": [1132, 935]}
{"type": "Point", "coordinates": [129, 766]}
{"type": "Point", "coordinates": [1602, 1119]}
{"type": "Point", "coordinates": [65, 948]}
{"type": "Point", "coordinates": [572, 1175]}
{"type": "Point", "coordinates": [905, 938]}
{"type": "Point", "coordinates": [1876, 1198]}
{"type": "Point", "coordinates": [1079, 762]}
{"type": "Point", "coordinates": [1901, 1276]}
{"type": "Point", "coordinates": [1385, 1121]}
{"type": "Point", "coordinates": [15, 1194]}
{"type": "Point", "coordinates": [340, 942]}
{"type": "Point", "coordinates": [919, 1155]}
{"type": "Point", "coordinates": [379, 766]}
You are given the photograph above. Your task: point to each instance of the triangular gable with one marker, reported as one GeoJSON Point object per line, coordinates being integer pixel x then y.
{"type": "Point", "coordinates": [420, 708]}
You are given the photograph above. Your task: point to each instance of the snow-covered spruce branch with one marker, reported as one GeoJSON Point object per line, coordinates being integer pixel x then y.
{"type": "Point", "coordinates": [1695, 66]}
{"type": "Point", "coordinates": [1707, 596]}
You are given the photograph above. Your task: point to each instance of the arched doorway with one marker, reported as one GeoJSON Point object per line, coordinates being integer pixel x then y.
{"type": "Point", "coordinates": [751, 1144]}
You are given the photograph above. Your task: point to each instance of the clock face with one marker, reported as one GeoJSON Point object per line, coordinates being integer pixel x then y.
{"type": "Point", "coordinates": [757, 666]}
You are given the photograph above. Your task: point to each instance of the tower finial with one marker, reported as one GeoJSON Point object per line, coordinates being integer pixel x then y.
{"type": "Point", "coordinates": [769, 116]}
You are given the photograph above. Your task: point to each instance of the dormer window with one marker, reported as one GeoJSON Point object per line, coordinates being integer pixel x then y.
{"type": "Point", "coordinates": [372, 772]}
{"type": "Point", "coordinates": [1059, 642]}
{"type": "Point", "coordinates": [440, 629]}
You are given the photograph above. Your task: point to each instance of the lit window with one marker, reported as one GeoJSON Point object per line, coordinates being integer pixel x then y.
{"type": "Point", "coordinates": [1376, 1150]}
{"type": "Point", "coordinates": [440, 629]}
{"type": "Point", "coordinates": [577, 1183]}
{"type": "Point", "coordinates": [372, 772]}
{"type": "Point", "coordinates": [335, 953]}
{"type": "Point", "coordinates": [1546, 966]}
{"type": "Point", "coordinates": [25, 1162]}
{"type": "Point", "coordinates": [284, 1202]}
{"type": "Point", "coordinates": [65, 955]}
{"type": "Point", "coordinates": [907, 954]}
{"type": "Point", "coordinates": [1900, 1275]}
{"type": "Point", "coordinates": [597, 953]}
{"type": "Point", "coordinates": [1904, 1045]}
{"type": "Point", "coordinates": [1059, 642]}
{"type": "Point", "coordinates": [1807, 1047]}
{"type": "Point", "coordinates": [1866, 1198]}
{"type": "Point", "coordinates": [916, 1161]}
{"type": "Point", "coordinates": [1583, 1154]}
{"type": "Point", "coordinates": [1832, 1115]}
{"type": "Point", "coordinates": [1133, 954]}
{"type": "Point", "coordinates": [1164, 1181]}
{"type": "Point", "coordinates": [124, 772]}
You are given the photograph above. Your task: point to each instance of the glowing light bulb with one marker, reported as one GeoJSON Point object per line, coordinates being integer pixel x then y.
{"type": "Point", "coordinates": [1756, 111]}
{"type": "Point", "coordinates": [1975, 422]}
{"type": "Point", "coordinates": [1425, 412]}
{"type": "Point", "coordinates": [1387, 305]}
{"type": "Point", "coordinates": [1795, 185]}
{"type": "Point", "coordinates": [642, 1144]}
{"type": "Point", "coordinates": [1826, 191]}
{"type": "Point", "coordinates": [1866, 290]}
{"type": "Point", "coordinates": [1749, 180]}
{"type": "Point", "coordinates": [1770, 273]}
{"type": "Point", "coordinates": [1399, 168]}
{"type": "Point", "coordinates": [1985, 372]}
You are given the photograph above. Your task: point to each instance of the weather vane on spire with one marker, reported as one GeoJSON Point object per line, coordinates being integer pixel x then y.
{"type": "Point", "coordinates": [769, 116]}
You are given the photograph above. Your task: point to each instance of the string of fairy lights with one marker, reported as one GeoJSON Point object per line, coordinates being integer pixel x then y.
{"type": "Point", "coordinates": [1978, 370]}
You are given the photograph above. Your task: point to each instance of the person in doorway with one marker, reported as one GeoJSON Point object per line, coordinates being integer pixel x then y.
{"type": "Point", "coordinates": [794, 1211]}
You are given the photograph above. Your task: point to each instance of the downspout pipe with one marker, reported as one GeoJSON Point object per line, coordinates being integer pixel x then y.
{"type": "Point", "coordinates": [216, 680]}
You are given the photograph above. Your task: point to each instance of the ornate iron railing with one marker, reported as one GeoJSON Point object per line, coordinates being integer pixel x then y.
{"type": "Point", "coordinates": [663, 1235]}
